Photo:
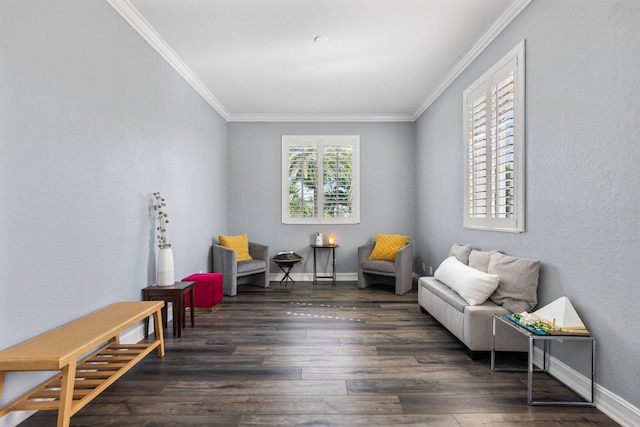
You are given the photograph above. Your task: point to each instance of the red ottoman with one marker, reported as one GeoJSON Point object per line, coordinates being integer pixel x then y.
{"type": "Point", "coordinates": [207, 291]}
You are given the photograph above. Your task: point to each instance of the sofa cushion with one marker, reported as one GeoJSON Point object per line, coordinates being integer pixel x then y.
{"type": "Point", "coordinates": [461, 252]}
{"type": "Point", "coordinates": [480, 259]}
{"type": "Point", "coordinates": [473, 285]}
{"type": "Point", "coordinates": [239, 243]}
{"type": "Point", "coordinates": [518, 288]}
{"type": "Point", "coordinates": [387, 245]}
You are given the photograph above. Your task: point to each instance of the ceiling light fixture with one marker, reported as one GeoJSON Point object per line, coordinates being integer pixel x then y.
{"type": "Point", "coordinates": [321, 39]}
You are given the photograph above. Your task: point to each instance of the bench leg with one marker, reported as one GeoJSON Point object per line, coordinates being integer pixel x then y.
{"type": "Point", "coordinates": [157, 324]}
{"type": "Point", "coordinates": [2, 377]}
{"type": "Point", "coordinates": [66, 394]}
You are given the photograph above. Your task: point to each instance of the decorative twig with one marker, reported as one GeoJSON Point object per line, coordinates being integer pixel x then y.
{"type": "Point", "coordinates": [162, 221]}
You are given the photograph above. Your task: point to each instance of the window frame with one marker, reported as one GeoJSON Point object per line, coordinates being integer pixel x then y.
{"type": "Point", "coordinates": [321, 141]}
{"type": "Point", "coordinates": [513, 62]}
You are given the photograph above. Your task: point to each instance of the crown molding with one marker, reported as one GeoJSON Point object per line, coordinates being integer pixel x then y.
{"type": "Point", "coordinates": [137, 21]}
{"type": "Point", "coordinates": [505, 19]}
{"type": "Point", "coordinates": [320, 118]}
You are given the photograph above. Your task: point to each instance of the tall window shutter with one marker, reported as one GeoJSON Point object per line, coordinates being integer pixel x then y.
{"type": "Point", "coordinates": [494, 147]}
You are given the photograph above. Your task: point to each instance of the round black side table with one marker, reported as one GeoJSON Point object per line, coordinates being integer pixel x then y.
{"type": "Point", "coordinates": [286, 261]}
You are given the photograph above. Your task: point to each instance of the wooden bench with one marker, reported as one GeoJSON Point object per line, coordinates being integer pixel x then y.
{"type": "Point", "coordinates": [64, 349]}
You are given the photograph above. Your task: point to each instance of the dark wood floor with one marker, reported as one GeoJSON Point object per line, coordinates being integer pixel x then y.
{"type": "Point", "coordinates": [321, 356]}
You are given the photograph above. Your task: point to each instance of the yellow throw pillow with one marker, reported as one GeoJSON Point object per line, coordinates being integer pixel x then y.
{"type": "Point", "coordinates": [239, 243]}
{"type": "Point", "coordinates": [387, 245]}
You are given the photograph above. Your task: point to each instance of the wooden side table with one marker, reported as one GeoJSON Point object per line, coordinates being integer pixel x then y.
{"type": "Point", "coordinates": [170, 294]}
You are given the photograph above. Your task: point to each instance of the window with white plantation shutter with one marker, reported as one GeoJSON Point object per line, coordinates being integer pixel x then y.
{"type": "Point", "coordinates": [494, 147]}
{"type": "Point", "coordinates": [320, 179]}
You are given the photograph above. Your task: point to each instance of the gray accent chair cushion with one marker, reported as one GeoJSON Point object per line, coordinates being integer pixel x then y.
{"type": "Point", "coordinates": [254, 272]}
{"type": "Point", "coordinates": [398, 273]}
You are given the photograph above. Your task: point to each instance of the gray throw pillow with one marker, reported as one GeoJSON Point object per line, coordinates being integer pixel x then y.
{"type": "Point", "coordinates": [461, 252]}
{"type": "Point", "coordinates": [480, 259]}
{"type": "Point", "coordinates": [518, 287]}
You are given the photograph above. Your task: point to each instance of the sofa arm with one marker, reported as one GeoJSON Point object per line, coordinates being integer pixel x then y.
{"type": "Point", "coordinates": [478, 330]}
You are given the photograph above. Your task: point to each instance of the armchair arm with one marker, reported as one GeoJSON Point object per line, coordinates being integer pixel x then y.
{"type": "Point", "coordinates": [404, 258]}
{"type": "Point", "coordinates": [224, 260]}
{"type": "Point", "coordinates": [404, 269]}
{"type": "Point", "coordinates": [363, 253]}
{"type": "Point", "coordinates": [259, 251]}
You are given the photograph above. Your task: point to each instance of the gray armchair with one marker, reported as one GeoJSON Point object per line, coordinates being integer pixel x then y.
{"type": "Point", "coordinates": [235, 272]}
{"type": "Point", "coordinates": [398, 273]}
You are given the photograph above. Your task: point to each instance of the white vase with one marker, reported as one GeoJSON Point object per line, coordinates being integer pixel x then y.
{"type": "Point", "coordinates": [164, 273]}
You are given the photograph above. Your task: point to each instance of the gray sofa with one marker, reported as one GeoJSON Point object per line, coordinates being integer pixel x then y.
{"type": "Point", "coordinates": [472, 324]}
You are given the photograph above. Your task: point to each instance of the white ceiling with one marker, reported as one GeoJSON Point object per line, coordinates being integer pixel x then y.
{"type": "Point", "coordinates": [257, 60]}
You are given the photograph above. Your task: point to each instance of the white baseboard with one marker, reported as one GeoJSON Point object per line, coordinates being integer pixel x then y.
{"type": "Point", "coordinates": [12, 419]}
{"type": "Point", "coordinates": [609, 403]}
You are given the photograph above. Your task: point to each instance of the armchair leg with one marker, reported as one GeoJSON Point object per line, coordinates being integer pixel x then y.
{"type": "Point", "coordinates": [362, 281]}
{"type": "Point", "coordinates": [263, 280]}
{"type": "Point", "coordinates": [403, 285]}
{"type": "Point", "coordinates": [230, 287]}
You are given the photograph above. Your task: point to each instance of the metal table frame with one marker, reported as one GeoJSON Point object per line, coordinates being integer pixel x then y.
{"type": "Point", "coordinates": [286, 266]}
{"type": "Point", "coordinates": [331, 276]}
{"type": "Point", "coordinates": [530, 366]}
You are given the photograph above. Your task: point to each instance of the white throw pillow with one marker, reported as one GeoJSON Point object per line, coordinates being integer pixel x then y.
{"type": "Point", "coordinates": [473, 285]}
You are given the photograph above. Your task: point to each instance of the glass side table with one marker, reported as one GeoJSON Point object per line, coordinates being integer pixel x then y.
{"type": "Point", "coordinates": [546, 339]}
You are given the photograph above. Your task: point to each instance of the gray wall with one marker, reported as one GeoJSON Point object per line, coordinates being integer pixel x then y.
{"type": "Point", "coordinates": [92, 120]}
{"type": "Point", "coordinates": [583, 149]}
{"type": "Point", "coordinates": [387, 187]}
